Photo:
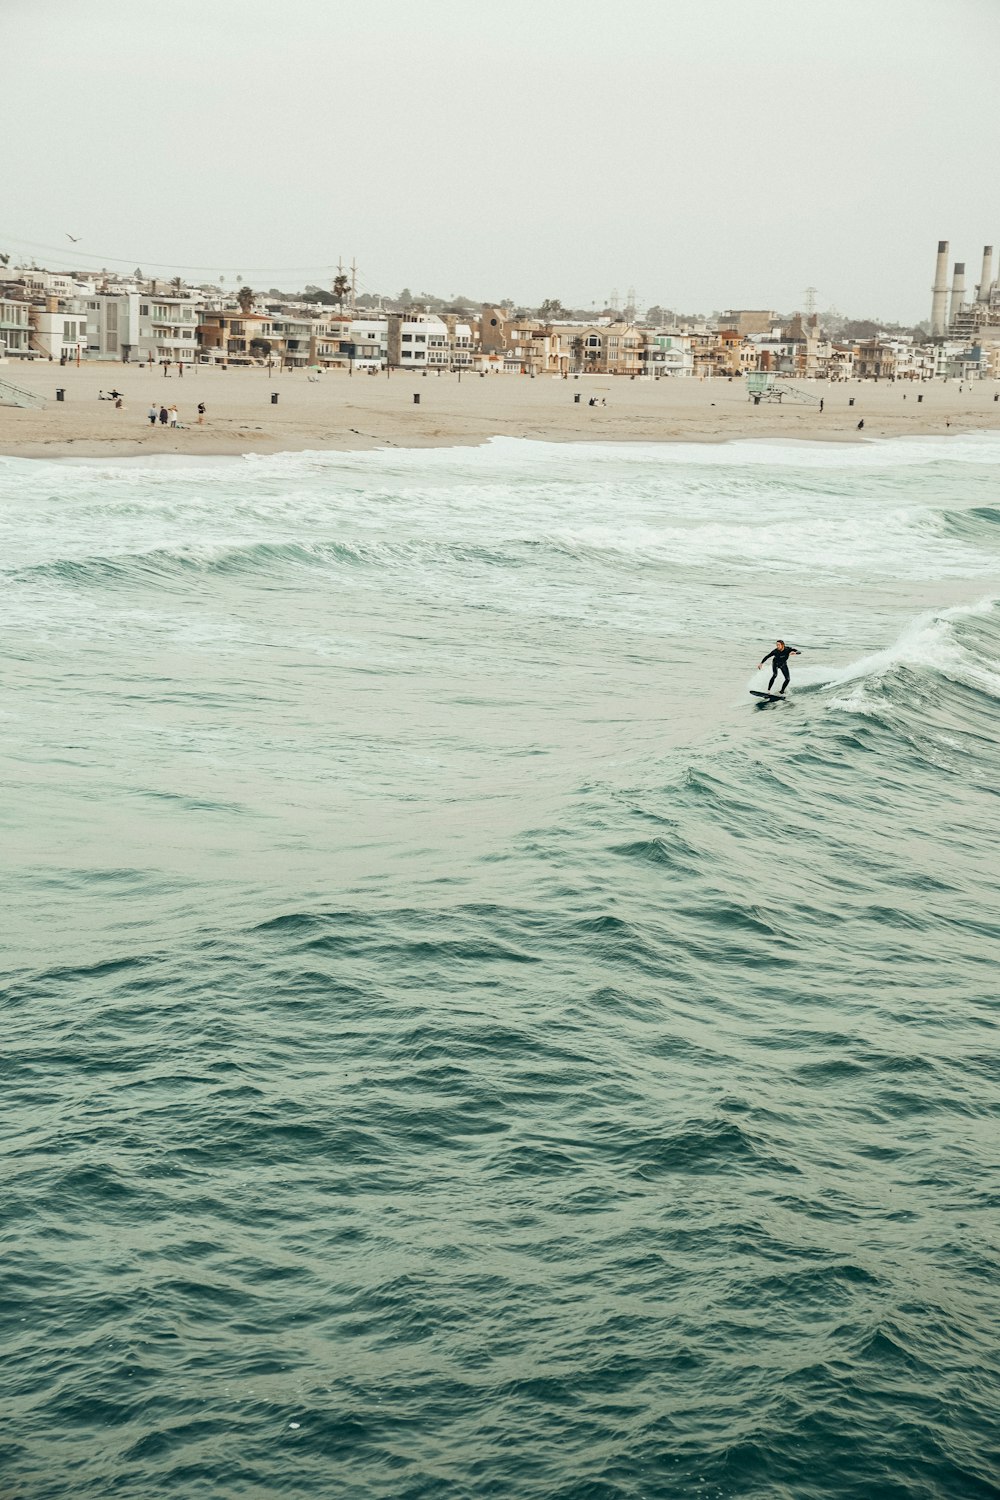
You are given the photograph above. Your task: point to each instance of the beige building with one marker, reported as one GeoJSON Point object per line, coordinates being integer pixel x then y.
{"type": "Point", "coordinates": [748, 320]}
{"type": "Point", "coordinates": [605, 349]}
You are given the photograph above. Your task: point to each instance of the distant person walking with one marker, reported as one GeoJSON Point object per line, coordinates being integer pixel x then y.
{"type": "Point", "coordinates": [821, 403]}
{"type": "Point", "coordinates": [152, 414]}
{"type": "Point", "coordinates": [164, 416]}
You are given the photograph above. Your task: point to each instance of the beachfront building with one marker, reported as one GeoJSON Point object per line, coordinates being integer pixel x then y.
{"type": "Point", "coordinates": [15, 329]}
{"type": "Point", "coordinates": [735, 355]}
{"type": "Point", "coordinates": [874, 360]}
{"type": "Point", "coordinates": [140, 326]}
{"type": "Point", "coordinates": [231, 336]}
{"type": "Point", "coordinates": [293, 333]}
{"type": "Point", "coordinates": [517, 346]}
{"type": "Point", "coordinates": [168, 327]}
{"type": "Point", "coordinates": [367, 343]}
{"type": "Point", "coordinates": [780, 355]}
{"type": "Point", "coordinates": [669, 354]}
{"type": "Point", "coordinates": [840, 364]}
{"type": "Point", "coordinates": [412, 336]}
{"type": "Point", "coordinates": [330, 338]}
{"type": "Point", "coordinates": [59, 329]}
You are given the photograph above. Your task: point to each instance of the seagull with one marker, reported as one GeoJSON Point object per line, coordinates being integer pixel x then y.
{"type": "Point", "coordinates": [74, 237]}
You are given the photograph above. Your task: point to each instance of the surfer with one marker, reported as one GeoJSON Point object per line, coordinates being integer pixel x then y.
{"type": "Point", "coordinates": [781, 653]}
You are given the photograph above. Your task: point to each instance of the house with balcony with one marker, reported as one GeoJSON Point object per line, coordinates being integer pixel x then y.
{"type": "Point", "coordinates": [231, 336]}
{"type": "Point", "coordinates": [367, 343]}
{"type": "Point", "coordinates": [669, 354]}
{"type": "Point", "coordinates": [15, 329]}
{"type": "Point", "coordinates": [331, 341]}
{"type": "Point", "coordinates": [168, 328]}
{"type": "Point", "coordinates": [874, 360]}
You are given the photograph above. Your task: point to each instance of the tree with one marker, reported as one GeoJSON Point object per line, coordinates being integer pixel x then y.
{"type": "Point", "coordinates": [261, 347]}
{"type": "Point", "coordinates": [245, 298]}
{"type": "Point", "coordinates": [341, 287]}
{"type": "Point", "coordinates": [551, 309]}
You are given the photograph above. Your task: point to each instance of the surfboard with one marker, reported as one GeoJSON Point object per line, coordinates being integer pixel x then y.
{"type": "Point", "coordinates": [771, 697]}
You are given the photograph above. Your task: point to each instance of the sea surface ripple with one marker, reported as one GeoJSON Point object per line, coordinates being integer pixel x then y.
{"type": "Point", "coordinates": [457, 1044]}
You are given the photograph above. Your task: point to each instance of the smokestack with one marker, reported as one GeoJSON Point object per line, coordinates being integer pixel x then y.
{"type": "Point", "coordinates": [939, 299]}
{"type": "Point", "coordinates": [957, 290]}
{"type": "Point", "coordinates": [986, 278]}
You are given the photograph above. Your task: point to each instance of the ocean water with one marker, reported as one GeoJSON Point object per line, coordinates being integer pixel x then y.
{"type": "Point", "coordinates": [457, 1043]}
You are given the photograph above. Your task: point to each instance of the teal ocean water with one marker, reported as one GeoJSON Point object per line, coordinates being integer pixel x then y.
{"type": "Point", "coordinates": [456, 1043]}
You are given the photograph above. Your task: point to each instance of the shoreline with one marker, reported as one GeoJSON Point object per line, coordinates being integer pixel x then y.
{"type": "Point", "coordinates": [341, 413]}
{"type": "Point", "coordinates": [168, 458]}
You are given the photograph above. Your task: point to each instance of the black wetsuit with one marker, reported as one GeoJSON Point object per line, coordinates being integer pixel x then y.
{"type": "Point", "coordinates": [780, 655]}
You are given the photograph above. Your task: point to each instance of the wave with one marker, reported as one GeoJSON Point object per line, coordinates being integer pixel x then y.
{"type": "Point", "coordinates": [938, 647]}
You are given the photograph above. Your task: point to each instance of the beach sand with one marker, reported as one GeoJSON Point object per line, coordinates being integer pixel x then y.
{"type": "Point", "coordinates": [373, 411]}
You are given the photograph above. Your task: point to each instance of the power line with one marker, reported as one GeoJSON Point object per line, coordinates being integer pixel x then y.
{"type": "Point", "coordinates": [138, 260]}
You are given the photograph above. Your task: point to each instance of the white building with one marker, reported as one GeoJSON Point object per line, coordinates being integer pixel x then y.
{"type": "Point", "coordinates": [139, 326]}
{"type": "Point", "coordinates": [412, 337]}
{"type": "Point", "coordinates": [669, 354]}
{"type": "Point", "coordinates": [368, 340]}
{"type": "Point", "coordinates": [59, 329]}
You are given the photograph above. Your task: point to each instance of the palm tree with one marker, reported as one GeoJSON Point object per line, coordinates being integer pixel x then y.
{"type": "Point", "coordinates": [341, 287]}
{"type": "Point", "coordinates": [245, 298]}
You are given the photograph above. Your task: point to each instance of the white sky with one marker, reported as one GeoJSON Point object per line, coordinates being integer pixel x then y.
{"type": "Point", "coordinates": [710, 153]}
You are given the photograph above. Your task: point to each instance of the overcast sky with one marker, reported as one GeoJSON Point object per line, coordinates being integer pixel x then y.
{"type": "Point", "coordinates": [708, 153]}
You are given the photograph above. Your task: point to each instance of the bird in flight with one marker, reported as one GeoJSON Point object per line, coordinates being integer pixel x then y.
{"type": "Point", "coordinates": [74, 237]}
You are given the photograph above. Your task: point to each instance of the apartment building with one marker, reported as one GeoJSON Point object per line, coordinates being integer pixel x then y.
{"type": "Point", "coordinates": [411, 339]}
{"type": "Point", "coordinates": [139, 326]}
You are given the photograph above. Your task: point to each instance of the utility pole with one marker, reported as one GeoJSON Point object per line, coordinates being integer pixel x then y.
{"type": "Point", "coordinates": [811, 300]}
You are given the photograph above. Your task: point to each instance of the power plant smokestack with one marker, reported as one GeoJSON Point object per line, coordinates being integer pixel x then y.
{"type": "Point", "coordinates": [957, 290]}
{"type": "Point", "coordinates": [986, 279]}
{"type": "Point", "coordinates": [939, 299]}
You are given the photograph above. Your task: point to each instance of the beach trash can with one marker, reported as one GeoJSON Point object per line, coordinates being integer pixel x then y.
{"type": "Point", "coordinates": [850, 400]}
{"type": "Point", "coordinates": [920, 397]}
{"type": "Point", "coordinates": [60, 393]}
{"type": "Point", "coordinates": [274, 398]}
{"type": "Point", "coordinates": [576, 398]}
{"type": "Point", "coordinates": [416, 398]}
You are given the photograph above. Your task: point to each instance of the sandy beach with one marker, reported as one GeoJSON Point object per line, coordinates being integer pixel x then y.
{"type": "Point", "coordinates": [338, 410]}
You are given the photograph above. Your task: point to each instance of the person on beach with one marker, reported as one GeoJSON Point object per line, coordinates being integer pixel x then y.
{"type": "Point", "coordinates": [152, 414]}
{"type": "Point", "coordinates": [201, 413]}
{"type": "Point", "coordinates": [780, 656]}
{"type": "Point", "coordinates": [164, 416]}
{"type": "Point", "coordinates": [172, 410]}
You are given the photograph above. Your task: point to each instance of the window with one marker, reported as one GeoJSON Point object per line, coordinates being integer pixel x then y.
{"type": "Point", "coordinates": [407, 337]}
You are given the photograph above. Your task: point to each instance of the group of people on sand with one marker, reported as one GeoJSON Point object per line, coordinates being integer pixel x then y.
{"type": "Point", "coordinates": [168, 416]}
